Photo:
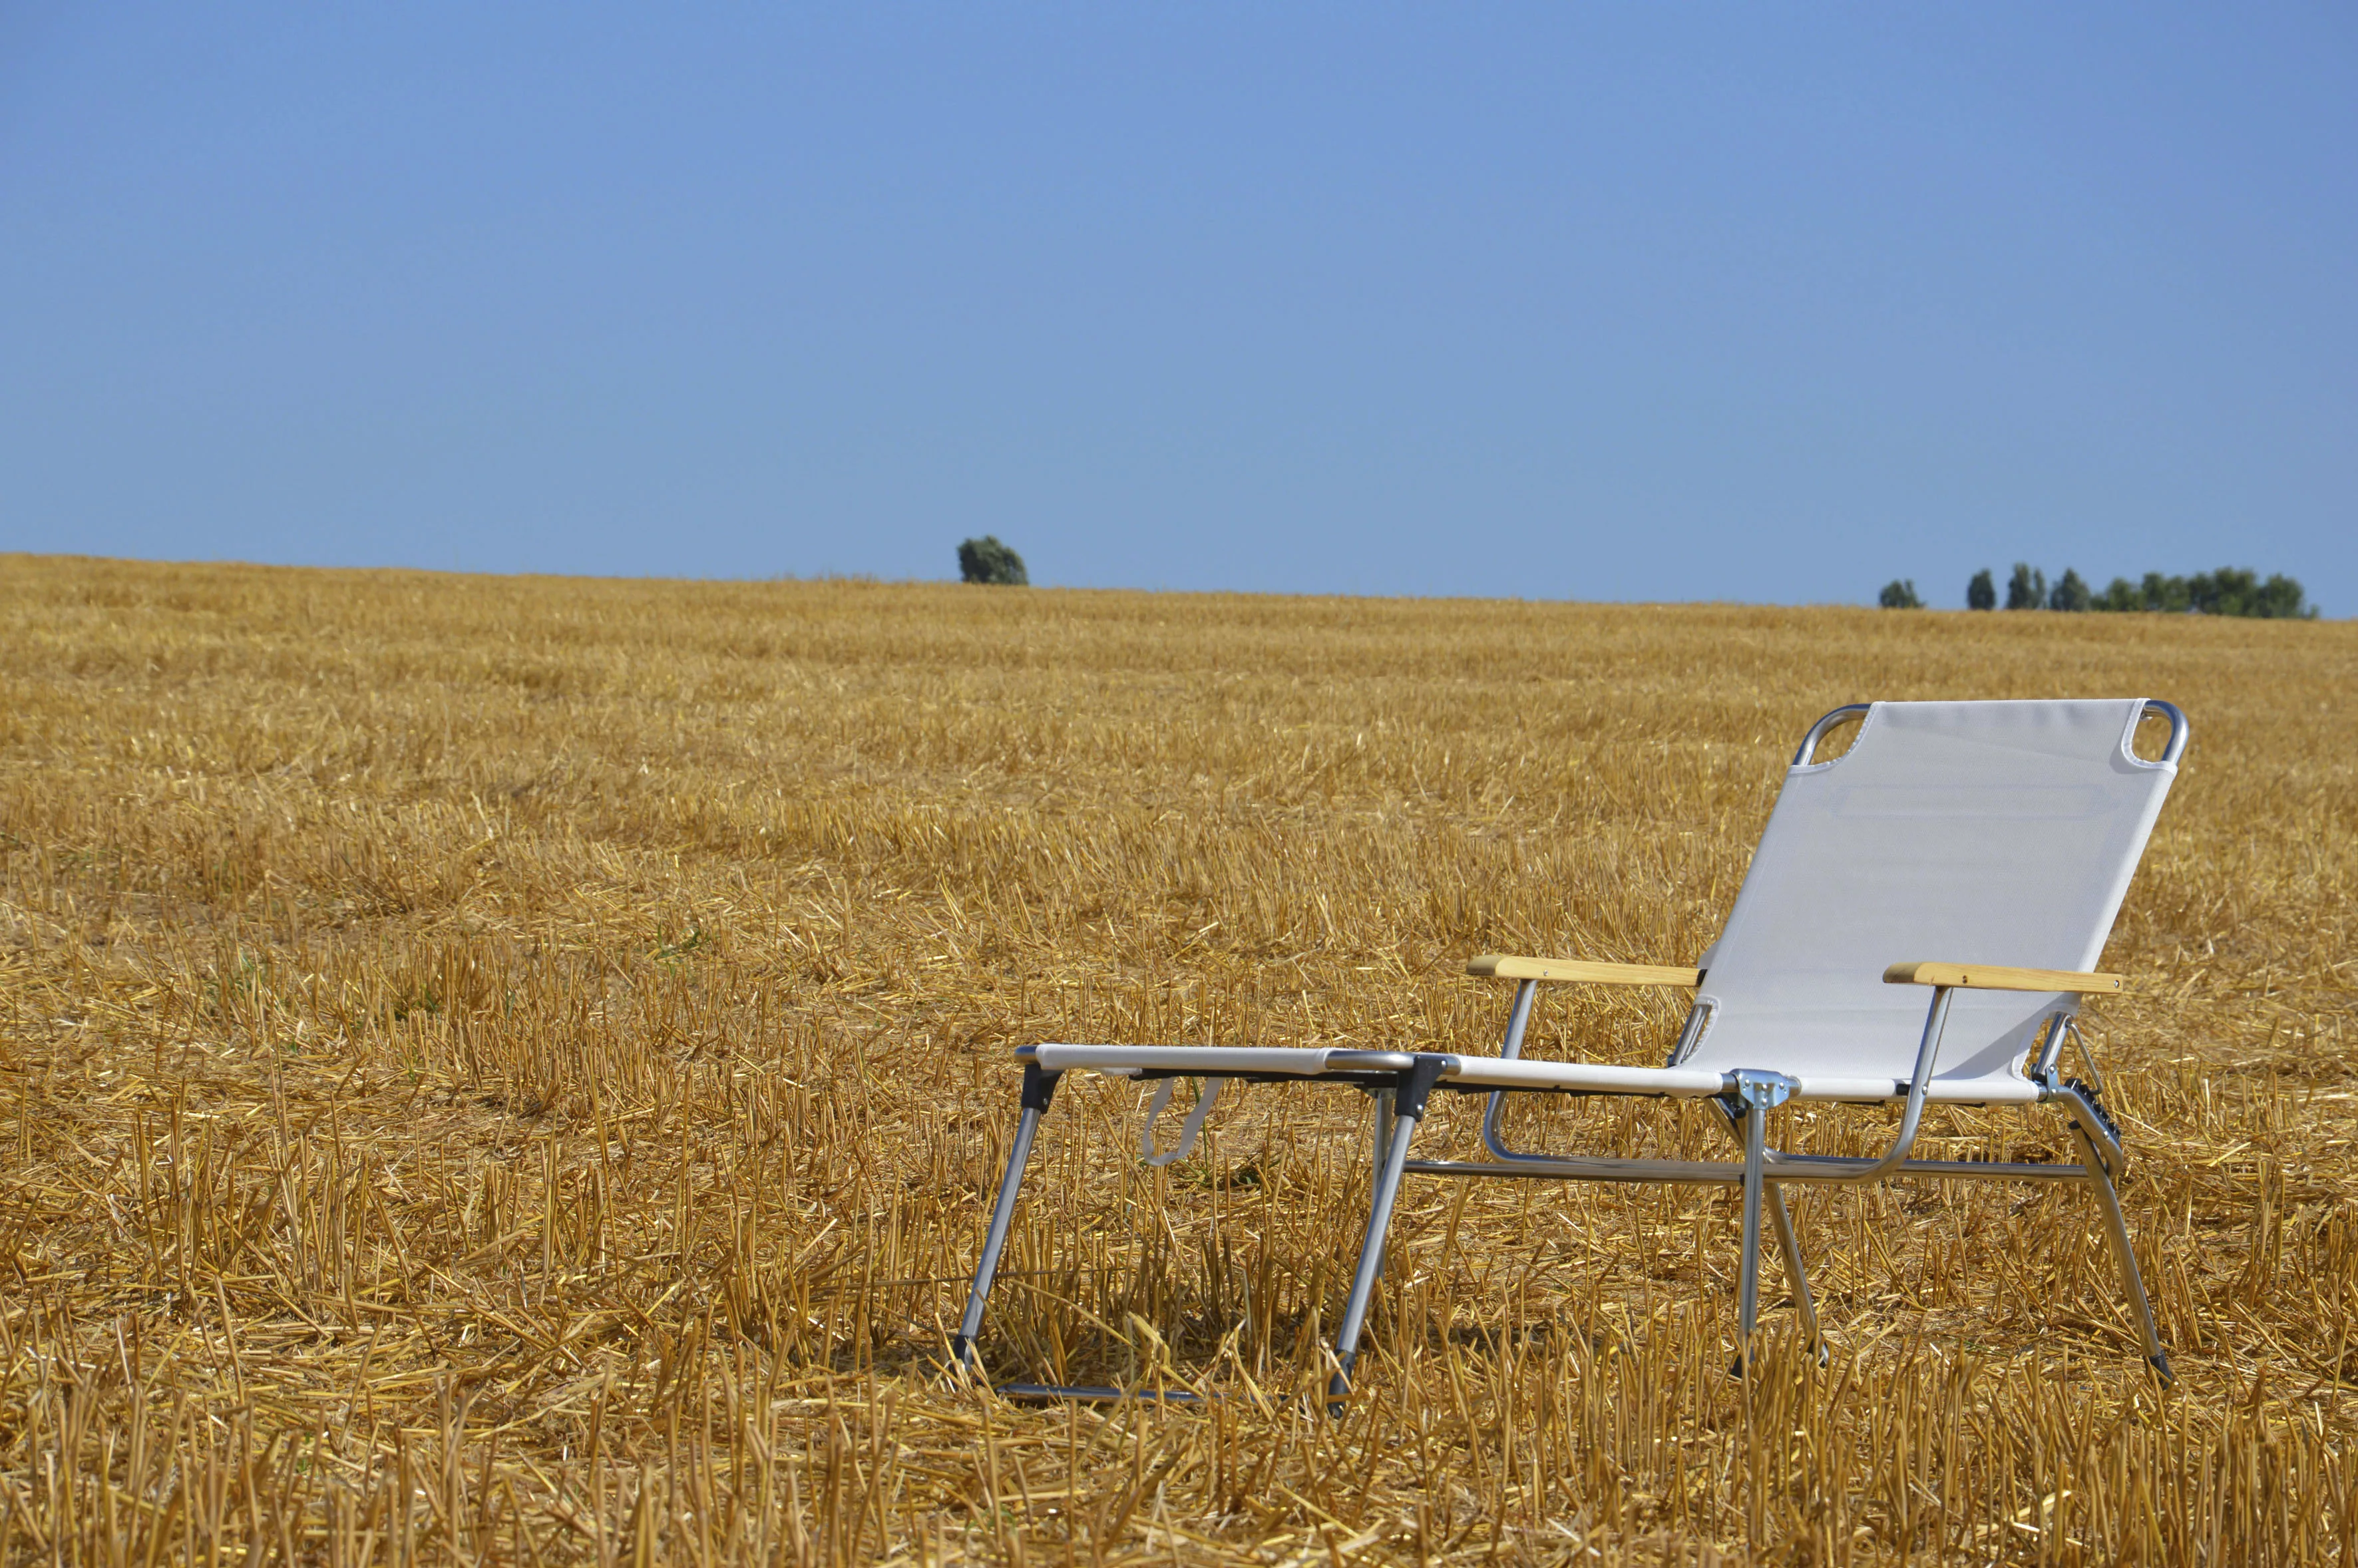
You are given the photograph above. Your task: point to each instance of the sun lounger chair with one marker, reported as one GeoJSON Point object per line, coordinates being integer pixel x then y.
{"type": "Point", "coordinates": [1978, 850]}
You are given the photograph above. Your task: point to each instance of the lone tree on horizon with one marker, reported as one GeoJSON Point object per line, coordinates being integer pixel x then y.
{"type": "Point", "coordinates": [988, 560]}
{"type": "Point", "coordinates": [1981, 593]}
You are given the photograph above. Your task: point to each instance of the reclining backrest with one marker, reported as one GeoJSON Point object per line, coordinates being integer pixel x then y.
{"type": "Point", "coordinates": [2000, 833]}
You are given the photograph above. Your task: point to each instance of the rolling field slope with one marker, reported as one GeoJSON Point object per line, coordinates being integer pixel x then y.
{"type": "Point", "coordinates": [504, 1070]}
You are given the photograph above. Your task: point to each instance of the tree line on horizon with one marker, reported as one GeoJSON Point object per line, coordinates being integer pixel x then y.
{"type": "Point", "coordinates": [2230, 590]}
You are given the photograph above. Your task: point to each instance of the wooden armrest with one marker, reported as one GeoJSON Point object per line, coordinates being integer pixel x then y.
{"type": "Point", "coordinates": [1511, 969]}
{"type": "Point", "coordinates": [1991, 977]}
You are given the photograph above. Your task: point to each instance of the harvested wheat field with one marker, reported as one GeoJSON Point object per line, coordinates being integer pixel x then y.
{"type": "Point", "coordinates": [512, 1071]}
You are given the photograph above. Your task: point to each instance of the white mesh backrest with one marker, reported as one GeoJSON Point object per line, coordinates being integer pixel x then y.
{"type": "Point", "coordinates": [1957, 832]}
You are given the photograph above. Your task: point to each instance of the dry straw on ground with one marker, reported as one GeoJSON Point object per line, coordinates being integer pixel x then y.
{"type": "Point", "coordinates": [509, 1071]}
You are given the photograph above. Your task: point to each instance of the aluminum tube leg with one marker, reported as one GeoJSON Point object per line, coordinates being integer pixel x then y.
{"type": "Point", "coordinates": [1038, 1087]}
{"type": "Point", "coordinates": [2116, 1229]}
{"type": "Point", "coordinates": [1747, 1294]}
{"type": "Point", "coordinates": [1407, 1113]}
{"type": "Point", "coordinates": [1791, 1246]}
{"type": "Point", "coordinates": [1387, 1130]}
{"type": "Point", "coordinates": [1371, 1262]}
{"type": "Point", "coordinates": [1753, 1093]}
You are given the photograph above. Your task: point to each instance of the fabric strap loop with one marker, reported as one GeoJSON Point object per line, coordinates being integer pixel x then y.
{"type": "Point", "coordinates": [1188, 1128]}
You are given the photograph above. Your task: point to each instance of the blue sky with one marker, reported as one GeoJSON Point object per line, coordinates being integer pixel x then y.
{"type": "Point", "coordinates": [1568, 302]}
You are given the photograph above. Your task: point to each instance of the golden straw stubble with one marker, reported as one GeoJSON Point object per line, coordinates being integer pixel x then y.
{"type": "Point", "coordinates": [509, 1070]}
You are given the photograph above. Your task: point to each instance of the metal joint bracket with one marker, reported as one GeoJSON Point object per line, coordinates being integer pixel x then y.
{"type": "Point", "coordinates": [1416, 1086]}
{"type": "Point", "coordinates": [1752, 1089]}
{"type": "Point", "coordinates": [1039, 1086]}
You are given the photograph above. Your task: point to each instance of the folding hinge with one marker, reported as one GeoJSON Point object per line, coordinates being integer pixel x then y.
{"type": "Point", "coordinates": [1039, 1086]}
{"type": "Point", "coordinates": [1750, 1088]}
{"type": "Point", "coordinates": [1411, 1088]}
{"type": "Point", "coordinates": [2096, 1107]}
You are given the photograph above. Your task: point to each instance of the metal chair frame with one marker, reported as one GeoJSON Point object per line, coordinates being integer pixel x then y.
{"type": "Point", "coordinates": [1401, 1084]}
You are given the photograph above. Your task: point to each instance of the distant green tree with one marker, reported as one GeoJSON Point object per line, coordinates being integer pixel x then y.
{"type": "Point", "coordinates": [1982, 593]}
{"type": "Point", "coordinates": [2070, 593]}
{"type": "Point", "coordinates": [2163, 593]}
{"type": "Point", "coordinates": [988, 560]}
{"type": "Point", "coordinates": [2281, 598]}
{"type": "Point", "coordinates": [2223, 592]}
{"type": "Point", "coordinates": [2026, 590]}
{"type": "Point", "coordinates": [2230, 590]}
{"type": "Point", "coordinates": [1899, 594]}
{"type": "Point", "coordinates": [2238, 591]}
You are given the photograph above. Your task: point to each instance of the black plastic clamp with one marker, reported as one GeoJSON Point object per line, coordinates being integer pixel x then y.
{"type": "Point", "coordinates": [1039, 1086]}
